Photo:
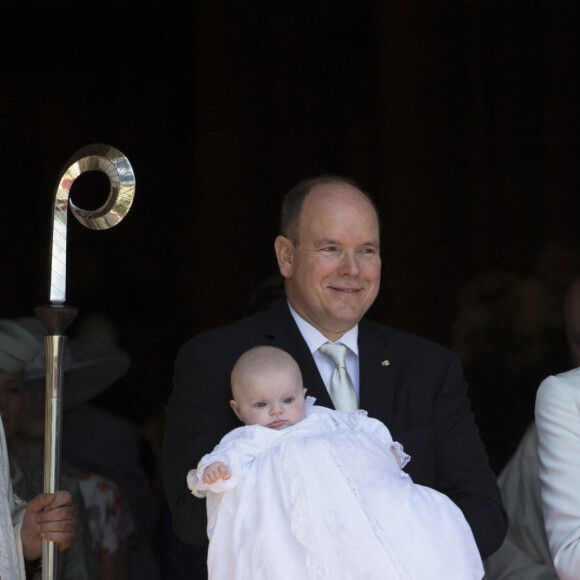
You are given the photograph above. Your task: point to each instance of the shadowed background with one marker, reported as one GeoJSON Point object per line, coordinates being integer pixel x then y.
{"type": "Point", "coordinates": [460, 118]}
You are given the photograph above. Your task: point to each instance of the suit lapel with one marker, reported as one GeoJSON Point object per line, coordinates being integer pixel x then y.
{"type": "Point", "coordinates": [377, 368]}
{"type": "Point", "coordinates": [283, 333]}
{"type": "Point", "coordinates": [377, 378]}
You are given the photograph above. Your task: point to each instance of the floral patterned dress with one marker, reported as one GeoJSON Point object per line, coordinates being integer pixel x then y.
{"type": "Point", "coordinates": [110, 521]}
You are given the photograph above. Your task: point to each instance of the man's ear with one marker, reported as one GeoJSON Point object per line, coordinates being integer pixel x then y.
{"type": "Point", "coordinates": [236, 409]}
{"type": "Point", "coordinates": [284, 253]}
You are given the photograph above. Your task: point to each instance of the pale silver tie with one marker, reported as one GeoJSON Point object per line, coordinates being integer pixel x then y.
{"type": "Point", "coordinates": [340, 386]}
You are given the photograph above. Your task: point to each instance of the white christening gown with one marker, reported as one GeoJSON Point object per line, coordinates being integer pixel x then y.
{"type": "Point", "coordinates": [326, 499]}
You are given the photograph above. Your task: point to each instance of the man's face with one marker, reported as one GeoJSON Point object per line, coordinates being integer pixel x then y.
{"type": "Point", "coordinates": [10, 400]}
{"type": "Point", "coordinates": [271, 399]}
{"type": "Point", "coordinates": [333, 272]}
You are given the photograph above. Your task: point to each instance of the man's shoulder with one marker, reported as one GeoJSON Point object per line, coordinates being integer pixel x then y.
{"type": "Point", "coordinates": [400, 340]}
{"type": "Point", "coordinates": [239, 336]}
{"type": "Point", "coordinates": [258, 322]}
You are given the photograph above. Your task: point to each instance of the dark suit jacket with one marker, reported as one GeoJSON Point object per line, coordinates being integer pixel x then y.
{"type": "Point", "coordinates": [420, 395]}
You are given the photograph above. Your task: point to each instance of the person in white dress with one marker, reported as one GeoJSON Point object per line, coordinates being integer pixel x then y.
{"type": "Point", "coordinates": [558, 422]}
{"type": "Point", "coordinates": [303, 491]}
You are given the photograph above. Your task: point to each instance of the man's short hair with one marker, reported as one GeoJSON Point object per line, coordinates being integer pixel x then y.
{"type": "Point", "coordinates": [294, 199]}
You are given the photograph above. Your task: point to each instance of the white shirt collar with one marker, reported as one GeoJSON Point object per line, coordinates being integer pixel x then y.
{"type": "Point", "coordinates": [315, 339]}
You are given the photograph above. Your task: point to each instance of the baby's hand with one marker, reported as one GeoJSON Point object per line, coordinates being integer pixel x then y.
{"type": "Point", "coordinates": [215, 471]}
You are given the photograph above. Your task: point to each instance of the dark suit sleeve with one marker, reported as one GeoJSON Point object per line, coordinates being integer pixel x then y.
{"type": "Point", "coordinates": [198, 416]}
{"type": "Point", "coordinates": [462, 467]}
{"type": "Point", "coordinates": [199, 413]}
{"type": "Point", "coordinates": [422, 398]}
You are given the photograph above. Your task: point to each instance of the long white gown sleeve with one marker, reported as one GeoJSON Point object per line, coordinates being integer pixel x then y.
{"type": "Point", "coordinates": [11, 514]}
{"type": "Point", "coordinates": [558, 423]}
{"type": "Point", "coordinates": [326, 499]}
{"type": "Point", "coordinates": [237, 449]}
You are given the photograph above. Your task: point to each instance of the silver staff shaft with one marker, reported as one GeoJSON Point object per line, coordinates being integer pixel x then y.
{"type": "Point", "coordinates": [57, 316]}
{"type": "Point", "coordinates": [55, 320]}
{"type": "Point", "coordinates": [54, 347]}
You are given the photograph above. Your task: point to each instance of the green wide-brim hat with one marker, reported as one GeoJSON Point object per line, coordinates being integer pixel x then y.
{"type": "Point", "coordinates": [17, 347]}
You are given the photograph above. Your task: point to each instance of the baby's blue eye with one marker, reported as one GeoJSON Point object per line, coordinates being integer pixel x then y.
{"type": "Point", "coordinates": [288, 400]}
{"type": "Point", "coordinates": [260, 404]}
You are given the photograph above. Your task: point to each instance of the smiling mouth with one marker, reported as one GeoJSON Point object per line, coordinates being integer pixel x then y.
{"type": "Point", "coordinates": [346, 290]}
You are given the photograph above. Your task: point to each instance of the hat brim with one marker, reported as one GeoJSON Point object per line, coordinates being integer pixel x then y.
{"type": "Point", "coordinates": [85, 380]}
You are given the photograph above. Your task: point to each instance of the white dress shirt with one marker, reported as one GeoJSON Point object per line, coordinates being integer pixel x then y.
{"type": "Point", "coordinates": [315, 339]}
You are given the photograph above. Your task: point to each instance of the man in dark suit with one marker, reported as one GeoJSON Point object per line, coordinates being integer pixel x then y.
{"type": "Point", "coordinates": [328, 253]}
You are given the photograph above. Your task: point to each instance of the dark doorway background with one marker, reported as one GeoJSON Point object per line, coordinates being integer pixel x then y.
{"type": "Point", "coordinates": [460, 118]}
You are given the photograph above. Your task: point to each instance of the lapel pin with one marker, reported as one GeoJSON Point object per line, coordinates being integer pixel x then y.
{"type": "Point", "coordinates": [385, 363]}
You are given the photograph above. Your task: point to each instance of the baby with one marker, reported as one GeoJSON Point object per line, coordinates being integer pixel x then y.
{"type": "Point", "coordinates": [308, 492]}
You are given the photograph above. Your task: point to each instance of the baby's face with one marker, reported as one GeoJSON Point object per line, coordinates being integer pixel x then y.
{"type": "Point", "coordinates": [272, 399]}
